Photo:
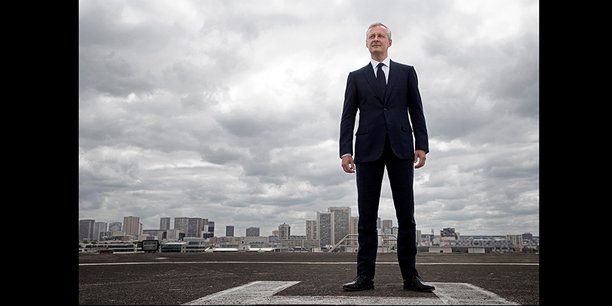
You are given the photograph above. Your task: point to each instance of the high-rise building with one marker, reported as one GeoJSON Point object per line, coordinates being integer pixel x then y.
{"type": "Point", "coordinates": [325, 223]}
{"type": "Point", "coordinates": [86, 229]}
{"type": "Point", "coordinates": [211, 227]}
{"type": "Point", "coordinates": [229, 231]}
{"type": "Point", "coordinates": [284, 231]}
{"type": "Point", "coordinates": [164, 223]}
{"type": "Point", "coordinates": [99, 230]}
{"type": "Point", "coordinates": [252, 232]}
{"type": "Point", "coordinates": [386, 226]}
{"type": "Point", "coordinates": [341, 222]}
{"type": "Point", "coordinates": [181, 224]}
{"type": "Point", "coordinates": [312, 230]}
{"type": "Point", "coordinates": [131, 225]}
{"type": "Point", "coordinates": [195, 227]}
{"type": "Point", "coordinates": [114, 227]}
{"type": "Point", "coordinates": [353, 225]}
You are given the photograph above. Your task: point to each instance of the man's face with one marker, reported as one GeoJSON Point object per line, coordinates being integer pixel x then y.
{"type": "Point", "coordinates": [377, 41]}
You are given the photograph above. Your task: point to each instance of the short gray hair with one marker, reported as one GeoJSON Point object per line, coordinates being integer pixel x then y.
{"type": "Point", "coordinates": [379, 24]}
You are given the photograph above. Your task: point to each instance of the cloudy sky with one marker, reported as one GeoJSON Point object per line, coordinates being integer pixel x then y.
{"type": "Point", "coordinates": [230, 110]}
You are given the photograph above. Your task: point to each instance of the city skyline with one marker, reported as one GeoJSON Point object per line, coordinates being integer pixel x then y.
{"type": "Point", "coordinates": [296, 230]}
{"type": "Point", "coordinates": [230, 110]}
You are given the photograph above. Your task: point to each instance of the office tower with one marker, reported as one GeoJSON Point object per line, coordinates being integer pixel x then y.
{"type": "Point", "coordinates": [312, 230]}
{"type": "Point", "coordinates": [86, 229]}
{"type": "Point", "coordinates": [114, 227]}
{"type": "Point", "coordinates": [99, 230]}
{"type": "Point", "coordinates": [164, 223]}
{"type": "Point", "coordinates": [378, 225]}
{"type": "Point", "coordinates": [341, 222]}
{"type": "Point", "coordinates": [353, 224]}
{"type": "Point", "coordinates": [386, 226]}
{"type": "Point", "coordinates": [284, 231]}
{"type": "Point", "coordinates": [195, 227]}
{"type": "Point", "coordinates": [325, 224]}
{"type": "Point", "coordinates": [181, 224]}
{"type": "Point", "coordinates": [229, 231]}
{"type": "Point", "coordinates": [131, 225]}
{"type": "Point", "coordinates": [211, 227]}
{"type": "Point", "coordinates": [418, 237]}
{"type": "Point", "coordinates": [252, 232]}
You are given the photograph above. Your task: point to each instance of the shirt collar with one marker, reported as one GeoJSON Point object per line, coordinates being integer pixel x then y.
{"type": "Point", "coordinates": [375, 63]}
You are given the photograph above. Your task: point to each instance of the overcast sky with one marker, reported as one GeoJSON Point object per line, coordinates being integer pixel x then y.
{"type": "Point", "coordinates": [230, 110]}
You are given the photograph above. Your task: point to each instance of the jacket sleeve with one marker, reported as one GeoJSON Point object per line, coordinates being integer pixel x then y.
{"type": "Point", "coordinates": [417, 116]}
{"type": "Point", "coordinates": [349, 111]}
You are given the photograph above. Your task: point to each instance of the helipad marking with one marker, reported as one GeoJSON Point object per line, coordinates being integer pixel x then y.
{"type": "Point", "coordinates": [262, 293]}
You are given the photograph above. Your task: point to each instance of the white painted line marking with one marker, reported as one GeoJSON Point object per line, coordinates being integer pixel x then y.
{"type": "Point", "coordinates": [307, 263]}
{"type": "Point", "coordinates": [467, 294]}
{"type": "Point", "coordinates": [245, 294]}
{"type": "Point", "coordinates": [262, 293]}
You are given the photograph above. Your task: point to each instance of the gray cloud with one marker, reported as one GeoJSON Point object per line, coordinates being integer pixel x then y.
{"type": "Point", "coordinates": [229, 110]}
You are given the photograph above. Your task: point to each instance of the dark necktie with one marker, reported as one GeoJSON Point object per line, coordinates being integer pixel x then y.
{"type": "Point", "coordinates": [380, 78]}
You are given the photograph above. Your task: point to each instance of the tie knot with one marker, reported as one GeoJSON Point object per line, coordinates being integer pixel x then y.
{"type": "Point", "coordinates": [380, 65]}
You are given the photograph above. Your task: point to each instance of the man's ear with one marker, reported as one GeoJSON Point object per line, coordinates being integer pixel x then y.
{"type": "Point", "coordinates": [390, 42]}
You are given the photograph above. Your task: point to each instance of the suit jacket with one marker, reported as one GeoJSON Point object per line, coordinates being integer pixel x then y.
{"type": "Point", "coordinates": [383, 114]}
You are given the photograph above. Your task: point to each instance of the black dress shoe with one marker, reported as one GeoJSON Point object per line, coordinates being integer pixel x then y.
{"type": "Point", "coordinates": [359, 283]}
{"type": "Point", "coordinates": [416, 284]}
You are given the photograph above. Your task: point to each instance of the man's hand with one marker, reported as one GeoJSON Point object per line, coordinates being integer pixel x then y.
{"type": "Point", "coordinates": [419, 159]}
{"type": "Point", "coordinates": [348, 165]}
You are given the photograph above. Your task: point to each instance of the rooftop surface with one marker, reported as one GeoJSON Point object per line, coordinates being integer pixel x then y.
{"type": "Point", "coordinates": [302, 278]}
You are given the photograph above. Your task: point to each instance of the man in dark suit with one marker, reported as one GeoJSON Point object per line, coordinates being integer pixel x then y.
{"type": "Point", "coordinates": [385, 93]}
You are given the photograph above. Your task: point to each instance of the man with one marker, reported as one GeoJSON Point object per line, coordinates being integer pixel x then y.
{"type": "Point", "coordinates": [385, 93]}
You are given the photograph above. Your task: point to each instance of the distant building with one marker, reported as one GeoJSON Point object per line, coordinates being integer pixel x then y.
{"type": "Point", "coordinates": [386, 226]}
{"type": "Point", "coordinates": [131, 226]}
{"type": "Point", "coordinates": [341, 216]}
{"type": "Point", "coordinates": [100, 229]}
{"type": "Point", "coordinates": [517, 242]}
{"type": "Point", "coordinates": [229, 231]}
{"type": "Point", "coordinates": [196, 226]}
{"type": "Point", "coordinates": [448, 232]}
{"type": "Point", "coordinates": [181, 223]}
{"type": "Point", "coordinates": [114, 227]}
{"type": "Point", "coordinates": [252, 232]}
{"type": "Point", "coordinates": [211, 227]}
{"type": "Point", "coordinates": [312, 230]}
{"type": "Point", "coordinates": [353, 224]}
{"type": "Point", "coordinates": [164, 223]}
{"type": "Point", "coordinates": [153, 234]}
{"type": "Point", "coordinates": [86, 229]}
{"type": "Point", "coordinates": [284, 231]}
{"type": "Point", "coordinates": [326, 228]}
{"type": "Point", "coordinates": [172, 235]}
